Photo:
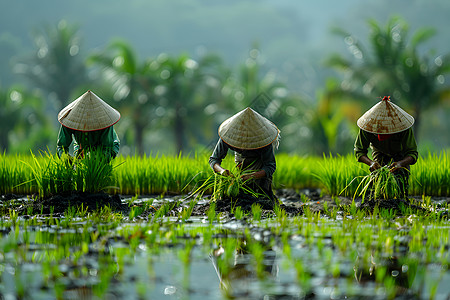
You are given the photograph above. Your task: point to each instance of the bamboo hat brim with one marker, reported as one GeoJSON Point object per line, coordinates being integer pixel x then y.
{"type": "Point", "coordinates": [385, 118]}
{"type": "Point", "coordinates": [88, 113]}
{"type": "Point", "coordinates": [248, 130]}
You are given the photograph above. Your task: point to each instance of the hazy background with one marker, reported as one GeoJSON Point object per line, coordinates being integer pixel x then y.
{"type": "Point", "coordinates": [269, 54]}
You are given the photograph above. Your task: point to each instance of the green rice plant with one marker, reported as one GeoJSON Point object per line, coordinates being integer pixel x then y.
{"type": "Point", "coordinates": [46, 174]}
{"type": "Point", "coordinates": [295, 171]}
{"type": "Point", "coordinates": [187, 211]}
{"type": "Point", "coordinates": [381, 184]}
{"type": "Point", "coordinates": [93, 173]}
{"type": "Point", "coordinates": [159, 174]}
{"type": "Point", "coordinates": [164, 209]}
{"type": "Point", "coordinates": [226, 187]}
{"type": "Point", "coordinates": [336, 174]}
{"type": "Point", "coordinates": [211, 214]}
{"type": "Point", "coordinates": [256, 211]}
{"type": "Point", "coordinates": [430, 175]}
{"type": "Point", "coordinates": [12, 175]}
{"type": "Point", "coordinates": [53, 175]}
{"type": "Point", "coordinates": [238, 213]}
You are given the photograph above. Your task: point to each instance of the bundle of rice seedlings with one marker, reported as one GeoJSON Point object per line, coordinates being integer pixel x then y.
{"type": "Point", "coordinates": [226, 187]}
{"type": "Point", "coordinates": [379, 184]}
{"type": "Point", "coordinates": [382, 184]}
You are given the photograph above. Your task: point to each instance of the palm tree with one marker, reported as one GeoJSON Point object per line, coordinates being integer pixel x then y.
{"type": "Point", "coordinates": [132, 82]}
{"type": "Point", "coordinates": [23, 122]}
{"type": "Point", "coordinates": [191, 89]}
{"type": "Point", "coordinates": [394, 67]}
{"type": "Point", "coordinates": [57, 66]}
{"type": "Point", "coordinates": [9, 116]}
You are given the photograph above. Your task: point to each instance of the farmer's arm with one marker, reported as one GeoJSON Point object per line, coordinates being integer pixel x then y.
{"type": "Point", "coordinates": [410, 146]}
{"type": "Point", "coordinates": [219, 153]}
{"type": "Point", "coordinates": [116, 143]}
{"type": "Point", "coordinates": [64, 141]}
{"type": "Point", "coordinates": [269, 165]}
{"type": "Point", "coordinates": [362, 144]}
{"type": "Point", "coordinates": [411, 154]}
{"type": "Point", "coordinates": [110, 142]}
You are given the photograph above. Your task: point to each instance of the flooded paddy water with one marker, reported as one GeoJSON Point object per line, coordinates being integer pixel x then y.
{"type": "Point", "coordinates": [310, 247]}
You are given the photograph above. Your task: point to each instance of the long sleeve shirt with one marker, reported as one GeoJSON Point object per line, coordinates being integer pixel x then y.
{"type": "Point", "coordinates": [398, 146]}
{"type": "Point", "coordinates": [263, 158]}
{"type": "Point", "coordinates": [104, 139]}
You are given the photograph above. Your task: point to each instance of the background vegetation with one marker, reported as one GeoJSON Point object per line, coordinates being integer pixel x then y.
{"type": "Point", "coordinates": [177, 69]}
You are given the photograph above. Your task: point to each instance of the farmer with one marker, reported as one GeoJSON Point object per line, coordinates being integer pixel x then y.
{"type": "Point", "coordinates": [88, 122]}
{"type": "Point", "coordinates": [386, 128]}
{"type": "Point", "coordinates": [252, 138]}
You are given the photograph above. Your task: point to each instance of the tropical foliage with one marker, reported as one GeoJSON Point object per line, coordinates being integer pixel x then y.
{"type": "Point", "coordinates": [393, 64]}
{"type": "Point", "coordinates": [56, 67]}
{"type": "Point", "coordinates": [174, 103]}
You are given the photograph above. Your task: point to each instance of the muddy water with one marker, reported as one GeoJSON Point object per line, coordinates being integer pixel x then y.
{"type": "Point", "coordinates": [48, 257]}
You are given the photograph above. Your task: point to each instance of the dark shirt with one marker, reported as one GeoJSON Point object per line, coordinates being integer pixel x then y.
{"type": "Point", "coordinates": [397, 147]}
{"type": "Point", "coordinates": [104, 139]}
{"type": "Point", "coordinates": [259, 159]}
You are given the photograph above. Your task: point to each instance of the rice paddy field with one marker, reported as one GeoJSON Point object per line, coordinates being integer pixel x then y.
{"type": "Point", "coordinates": [156, 247]}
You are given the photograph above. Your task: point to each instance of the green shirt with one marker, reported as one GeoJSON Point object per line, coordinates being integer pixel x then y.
{"type": "Point", "coordinates": [398, 146]}
{"type": "Point", "coordinates": [105, 139]}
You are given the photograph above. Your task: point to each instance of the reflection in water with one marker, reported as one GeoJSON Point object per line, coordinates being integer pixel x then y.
{"type": "Point", "coordinates": [396, 275]}
{"type": "Point", "coordinates": [239, 276]}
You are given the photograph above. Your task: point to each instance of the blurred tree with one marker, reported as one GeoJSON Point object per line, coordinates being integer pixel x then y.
{"type": "Point", "coordinates": [133, 85]}
{"type": "Point", "coordinates": [329, 119]}
{"type": "Point", "coordinates": [9, 47]}
{"type": "Point", "coordinates": [184, 96]}
{"type": "Point", "coordinates": [394, 67]}
{"type": "Point", "coordinates": [23, 122]}
{"type": "Point", "coordinates": [259, 88]}
{"type": "Point", "coordinates": [57, 67]}
{"type": "Point", "coordinates": [9, 116]}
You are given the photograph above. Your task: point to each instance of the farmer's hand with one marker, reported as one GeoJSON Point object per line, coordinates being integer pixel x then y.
{"type": "Point", "coordinates": [395, 166]}
{"type": "Point", "coordinates": [374, 166]}
{"type": "Point", "coordinates": [255, 175]}
{"type": "Point", "coordinates": [246, 177]}
{"type": "Point", "coordinates": [402, 164]}
{"type": "Point", "coordinates": [222, 171]}
{"type": "Point", "coordinates": [226, 172]}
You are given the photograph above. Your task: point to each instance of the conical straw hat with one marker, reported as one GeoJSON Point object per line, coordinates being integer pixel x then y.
{"type": "Point", "coordinates": [385, 118]}
{"type": "Point", "coordinates": [248, 130]}
{"type": "Point", "coordinates": [88, 113]}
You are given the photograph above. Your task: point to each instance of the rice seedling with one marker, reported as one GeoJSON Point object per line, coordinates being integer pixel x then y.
{"type": "Point", "coordinates": [295, 172]}
{"type": "Point", "coordinates": [9, 174]}
{"type": "Point", "coordinates": [226, 187]}
{"type": "Point", "coordinates": [93, 173]}
{"type": "Point", "coordinates": [256, 211]}
{"type": "Point", "coordinates": [431, 175]}
{"type": "Point", "coordinates": [336, 174]}
{"type": "Point", "coordinates": [238, 213]}
{"type": "Point", "coordinates": [187, 211]}
{"type": "Point", "coordinates": [211, 213]}
{"type": "Point", "coordinates": [381, 184]}
{"type": "Point", "coordinates": [139, 175]}
{"type": "Point", "coordinates": [52, 175]}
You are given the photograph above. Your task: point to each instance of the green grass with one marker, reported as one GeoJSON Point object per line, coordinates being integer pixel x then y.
{"type": "Point", "coordinates": [160, 174]}
{"type": "Point", "coordinates": [359, 245]}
